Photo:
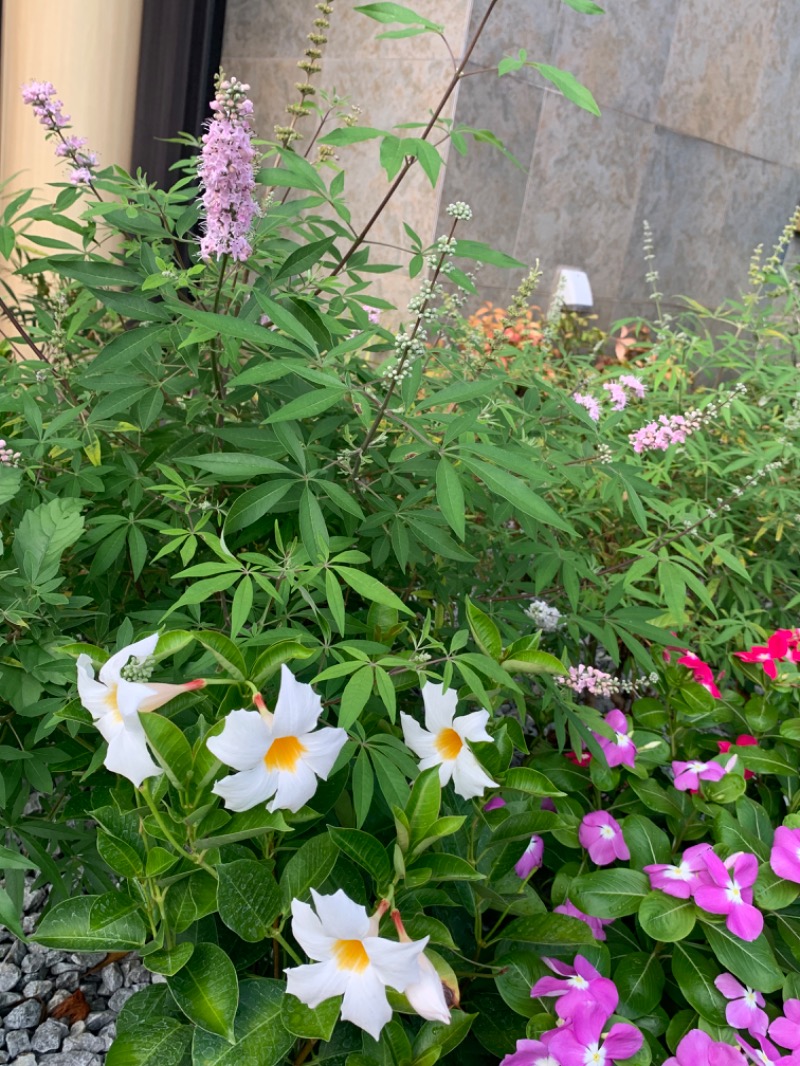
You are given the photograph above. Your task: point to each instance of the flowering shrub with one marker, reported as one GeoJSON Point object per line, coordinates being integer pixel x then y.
{"type": "Point", "coordinates": [374, 695]}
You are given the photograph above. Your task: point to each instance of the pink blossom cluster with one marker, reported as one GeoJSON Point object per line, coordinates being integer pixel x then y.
{"type": "Point", "coordinates": [669, 429]}
{"type": "Point", "coordinates": [8, 457]}
{"type": "Point", "coordinates": [227, 174]}
{"type": "Point", "coordinates": [584, 678]}
{"type": "Point", "coordinates": [41, 95]}
{"type": "Point", "coordinates": [618, 394]}
{"type": "Point", "coordinates": [716, 886]}
{"type": "Point", "coordinates": [584, 1003]}
{"type": "Point", "coordinates": [782, 646]}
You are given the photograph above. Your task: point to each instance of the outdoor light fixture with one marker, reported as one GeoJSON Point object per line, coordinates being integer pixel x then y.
{"type": "Point", "coordinates": [573, 289]}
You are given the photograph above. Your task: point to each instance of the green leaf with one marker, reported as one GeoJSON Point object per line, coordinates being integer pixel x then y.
{"type": "Point", "coordinates": [448, 867]}
{"type": "Point", "coordinates": [423, 805]}
{"type": "Point", "coordinates": [450, 497]}
{"type": "Point", "coordinates": [484, 631]}
{"type": "Point", "coordinates": [207, 991]}
{"type": "Point", "coordinates": [351, 135]}
{"type": "Point", "coordinates": [666, 918]}
{"type": "Point", "coordinates": [162, 1042]}
{"type": "Point", "coordinates": [248, 898]}
{"type": "Point", "coordinates": [586, 7]}
{"type": "Point", "coordinates": [302, 259]}
{"type": "Point", "coordinates": [366, 851]}
{"type": "Point", "coordinates": [610, 893]}
{"type": "Point", "coordinates": [260, 1037]}
{"type": "Point", "coordinates": [389, 12]}
{"type": "Point", "coordinates": [224, 651]}
{"type": "Point", "coordinates": [354, 697]}
{"type": "Point", "coordinates": [444, 1037]}
{"type": "Point", "coordinates": [170, 747]}
{"type": "Point", "coordinates": [646, 842]}
{"type": "Point", "coordinates": [287, 179]}
{"type": "Point", "coordinates": [317, 1024]}
{"type": "Point", "coordinates": [191, 899]}
{"type": "Point", "coordinates": [532, 661]}
{"type": "Point", "coordinates": [234, 466]}
{"type": "Point", "coordinates": [370, 588]}
{"type": "Point", "coordinates": [121, 857]}
{"type": "Point", "coordinates": [752, 962]}
{"type": "Point", "coordinates": [569, 85]}
{"type": "Point", "coordinates": [311, 403]}
{"type": "Point", "coordinates": [309, 866]}
{"type": "Point", "coordinates": [97, 274]}
{"type": "Point", "coordinates": [274, 656]}
{"type": "Point", "coordinates": [12, 860]}
{"type": "Point", "coordinates": [517, 493]}
{"type": "Point", "coordinates": [695, 974]}
{"type": "Point", "coordinates": [551, 933]}
{"type": "Point", "coordinates": [286, 321]}
{"type": "Point", "coordinates": [170, 960]}
{"type": "Point", "coordinates": [640, 982]}
{"type": "Point", "coordinates": [254, 504]}
{"type": "Point", "coordinates": [68, 926]}
{"type": "Point", "coordinates": [484, 253]}
{"type": "Point", "coordinates": [119, 352]}
{"type": "Point", "coordinates": [525, 779]}
{"type": "Point", "coordinates": [43, 535]}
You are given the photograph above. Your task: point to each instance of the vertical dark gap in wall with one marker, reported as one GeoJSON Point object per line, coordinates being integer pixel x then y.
{"type": "Point", "coordinates": [181, 47]}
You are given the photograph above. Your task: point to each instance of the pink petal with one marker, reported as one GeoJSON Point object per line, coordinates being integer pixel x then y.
{"type": "Point", "coordinates": [713, 899]}
{"type": "Point", "coordinates": [745, 921]}
{"type": "Point", "coordinates": [729, 986]}
{"type": "Point", "coordinates": [622, 1041]}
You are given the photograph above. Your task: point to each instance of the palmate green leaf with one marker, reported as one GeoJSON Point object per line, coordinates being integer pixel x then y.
{"type": "Point", "coordinates": [517, 493]}
{"type": "Point", "coordinates": [610, 893]}
{"type": "Point", "coordinates": [366, 851]}
{"type": "Point", "coordinates": [390, 12]}
{"type": "Point", "coordinates": [234, 466]}
{"type": "Point", "coordinates": [44, 534]}
{"type": "Point", "coordinates": [354, 696]}
{"type": "Point", "coordinates": [484, 253]}
{"type": "Point", "coordinates": [253, 504]}
{"type": "Point", "coordinates": [752, 962]}
{"type": "Point", "coordinates": [260, 1037]}
{"type": "Point", "coordinates": [248, 898]}
{"type": "Point", "coordinates": [450, 497]}
{"type": "Point", "coordinates": [370, 588]}
{"type": "Point", "coordinates": [310, 404]}
{"type": "Point", "coordinates": [304, 258]}
{"type": "Point", "coordinates": [124, 348]}
{"type": "Point", "coordinates": [12, 860]}
{"type": "Point", "coordinates": [351, 135]}
{"type": "Point", "coordinates": [569, 85]}
{"type": "Point", "coordinates": [162, 1042]}
{"type": "Point", "coordinates": [67, 926]}
{"type": "Point", "coordinates": [207, 991]}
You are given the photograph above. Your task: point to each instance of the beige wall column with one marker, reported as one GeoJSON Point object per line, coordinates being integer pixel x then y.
{"type": "Point", "coordinates": [89, 49]}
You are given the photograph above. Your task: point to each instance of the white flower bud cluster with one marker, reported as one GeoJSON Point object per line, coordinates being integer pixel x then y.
{"type": "Point", "coordinates": [544, 617]}
{"type": "Point", "coordinates": [138, 669]}
{"type": "Point", "coordinates": [792, 421]}
{"type": "Point", "coordinates": [460, 210]}
{"type": "Point", "coordinates": [8, 457]}
{"type": "Point", "coordinates": [408, 347]}
{"type": "Point", "coordinates": [603, 454]}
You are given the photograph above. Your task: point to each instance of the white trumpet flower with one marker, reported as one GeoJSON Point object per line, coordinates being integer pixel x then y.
{"type": "Point", "coordinates": [115, 704]}
{"type": "Point", "coordinates": [278, 755]}
{"type": "Point", "coordinates": [350, 960]}
{"type": "Point", "coordinates": [443, 742]}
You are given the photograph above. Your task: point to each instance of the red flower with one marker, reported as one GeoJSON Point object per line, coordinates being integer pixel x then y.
{"type": "Point", "coordinates": [744, 740]}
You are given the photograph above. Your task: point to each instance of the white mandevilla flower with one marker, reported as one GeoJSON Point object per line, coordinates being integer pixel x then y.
{"type": "Point", "coordinates": [426, 995]}
{"type": "Point", "coordinates": [115, 703]}
{"type": "Point", "coordinates": [278, 755]}
{"type": "Point", "coordinates": [351, 960]}
{"type": "Point", "coordinates": [443, 742]}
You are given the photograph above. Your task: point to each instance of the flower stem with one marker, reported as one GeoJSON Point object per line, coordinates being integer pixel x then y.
{"type": "Point", "coordinates": [145, 792]}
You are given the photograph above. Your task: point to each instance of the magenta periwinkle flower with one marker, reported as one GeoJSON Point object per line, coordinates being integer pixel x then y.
{"type": "Point", "coordinates": [532, 1053]}
{"type": "Point", "coordinates": [41, 96]}
{"type": "Point", "coordinates": [744, 1009]}
{"type": "Point", "coordinates": [620, 749]}
{"type": "Point", "coordinates": [785, 855]}
{"type": "Point", "coordinates": [786, 1030]}
{"type": "Point", "coordinates": [681, 880]}
{"type": "Point", "coordinates": [531, 858]}
{"type": "Point", "coordinates": [227, 174]}
{"type": "Point", "coordinates": [595, 924]}
{"type": "Point", "coordinates": [584, 1044]}
{"type": "Point", "coordinates": [577, 988]}
{"type": "Point", "coordinates": [699, 1049]}
{"type": "Point", "coordinates": [766, 1053]}
{"type": "Point", "coordinates": [602, 837]}
{"type": "Point", "coordinates": [688, 775]}
{"type": "Point", "coordinates": [730, 892]}
{"type": "Point", "coordinates": [494, 803]}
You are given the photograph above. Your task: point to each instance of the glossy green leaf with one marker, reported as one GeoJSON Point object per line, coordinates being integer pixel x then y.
{"type": "Point", "coordinates": [207, 991]}
{"type": "Point", "coordinates": [248, 898]}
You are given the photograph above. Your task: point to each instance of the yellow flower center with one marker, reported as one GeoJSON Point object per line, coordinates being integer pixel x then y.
{"type": "Point", "coordinates": [449, 744]}
{"type": "Point", "coordinates": [350, 955]}
{"type": "Point", "coordinates": [283, 754]}
{"type": "Point", "coordinates": [112, 704]}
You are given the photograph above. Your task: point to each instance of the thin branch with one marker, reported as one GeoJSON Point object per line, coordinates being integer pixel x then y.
{"type": "Point", "coordinates": [15, 322]}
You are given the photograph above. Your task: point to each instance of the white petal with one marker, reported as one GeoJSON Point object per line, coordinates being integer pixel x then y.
{"type": "Point", "coordinates": [298, 708]}
{"type": "Point", "coordinates": [426, 996]}
{"type": "Point", "coordinates": [397, 965]}
{"type": "Point", "coordinates": [128, 754]}
{"type": "Point", "coordinates": [469, 779]}
{"type": "Point", "coordinates": [445, 768]}
{"type": "Point", "coordinates": [109, 671]}
{"type": "Point", "coordinates": [322, 749]}
{"type": "Point", "coordinates": [315, 983]}
{"type": "Point", "coordinates": [294, 788]}
{"type": "Point", "coordinates": [421, 742]}
{"type": "Point", "coordinates": [247, 789]}
{"type": "Point", "coordinates": [109, 726]}
{"type": "Point", "coordinates": [131, 695]}
{"type": "Point", "coordinates": [243, 742]}
{"type": "Point", "coordinates": [440, 706]}
{"type": "Point", "coordinates": [341, 917]}
{"type": "Point", "coordinates": [309, 934]}
{"type": "Point", "coordinates": [365, 1003]}
{"type": "Point", "coordinates": [93, 694]}
{"type": "Point", "coordinates": [472, 726]}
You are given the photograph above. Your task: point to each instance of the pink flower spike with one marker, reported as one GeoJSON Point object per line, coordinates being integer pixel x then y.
{"type": "Point", "coordinates": [595, 924]}
{"type": "Point", "coordinates": [688, 775]}
{"type": "Point", "coordinates": [590, 403]}
{"type": "Point", "coordinates": [619, 751]}
{"type": "Point", "coordinates": [602, 837]}
{"type": "Point", "coordinates": [786, 1030]}
{"type": "Point", "coordinates": [633, 383]}
{"type": "Point", "coordinates": [531, 1053]}
{"type": "Point", "coordinates": [744, 1009]}
{"type": "Point", "coordinates": [730, 893]}
{"type": "Point", "coordinates": [681, 880]}
{"type": "Point", "coordinates": [578, 989]}
{"type": "Point", "coordinates": [619, 398]}
{"type": "Point", "coordinates": [699, 1049]}
{"type": "Point", "coordinates": [785, 855]}
{"type": "Point", "coordinates": [531, 858]}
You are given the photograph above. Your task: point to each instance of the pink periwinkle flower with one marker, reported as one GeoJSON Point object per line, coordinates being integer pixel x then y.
{"type": "Point", "coordinates": [784, 858]}
{"type": "Point", "coordinates": [618, 395]}
{"type": "Point", "coordinates": [595, 924]}
{"type": "Point", "coordinates": [681, 880]}
{"type": "Point", "coordinates": [582, 1043]}
{"type": "Point", "coordinates": [786, 1030]}
{"type": "Point", "coordinates": [587, 678]}
{"type": "Point", "coordinates": [578, 988]}
{"type": "Point", "coordinates": [620, 750]}
{"type": "Point", "coordinates": [227, 174]}
{"type": "Point", "coordinates": [730, 892]}
{"type": "Point", "coordinates": [688, 775]}
{"type": "Point", "coordinates": [766, 1053]}
{"type": "Point", "coordinates": [743, 1010]}
{"type": "Point", "coordinates": [41, 96]}
{"type": "Point", "coordinates": [531, 858]}
{"type": "Point", "coordinates": [602, 837]}
{"type": "Point", "coordinates": [669, 429]}
{"type": "Point", "coordinates": [782, 646]}
{"type": "Point", "coordinates": [494, 803]}
{"type": "Point", "coordinates": [532, 1053]}
{"type": "Point", "coordinates": [590, 403]}
{"type": "Point", "coordinates": [699, 1049]}
{"type": "Point", "coordinates": [633, 383]}
{"type": "Point", "coordinates": [701, 671]}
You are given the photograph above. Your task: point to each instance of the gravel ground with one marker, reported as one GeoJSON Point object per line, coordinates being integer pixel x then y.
{"type": "Point", "coordinates": [55, 1011]}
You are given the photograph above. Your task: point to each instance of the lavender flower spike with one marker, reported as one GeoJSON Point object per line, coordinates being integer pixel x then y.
{"type": "Point", "coordinates": [41, 97]}
{"type": "Point", "coordinates": [227, 173]}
